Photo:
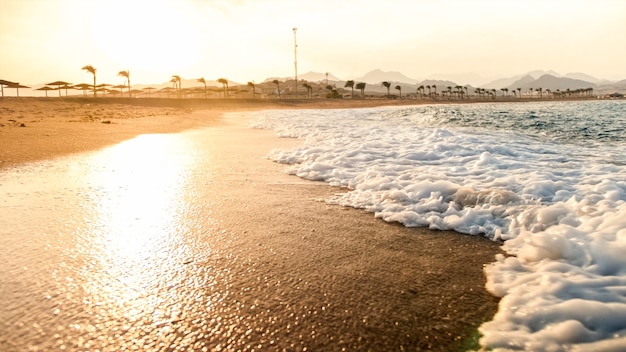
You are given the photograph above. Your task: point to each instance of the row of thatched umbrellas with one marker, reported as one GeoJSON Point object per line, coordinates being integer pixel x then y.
{"type": "Point", "coordinates": [9, 84]}
{"type": "Point", "coordinates": [62, 85]}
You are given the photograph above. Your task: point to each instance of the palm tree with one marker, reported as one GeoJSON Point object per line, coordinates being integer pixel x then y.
{"type": "Point", "coordinates": [277, 83]}
{"type": "Point", "coordinates": [91, 70]}
{"type": "Point", "coordinates": [350, 84]}
{"type": "Point", "coordinates": [251, 84]}
{"type": "Point", "coordinates": [224, 83]}
{"type": "Point", "coordinates": [203, 81]}
{"type": "Point", "coordinates": [177, 83]}
{"type": "Point", "coordinates": [435, 88]}
{"type": "Point", "coordinates": [126, 74]}
{"type": "Point", "coordinates": [420, 89]}
{"type": "Point", "coordinates": [309, 89]}
{"type": "Point", "coordinates": [387, 85]}
{"type": "Point", "coordinates": [399, 90]}
{"type": "Point", "coordinates": [494, 92]}
{"type": "Point", "coordinates": [540, 90]}
{"type": "Point", "coordinates": [361, 86]}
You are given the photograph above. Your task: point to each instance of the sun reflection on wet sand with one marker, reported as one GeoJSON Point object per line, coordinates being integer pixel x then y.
{"type": "Point", "coordinates": [138, 206]}
{"type": "Point", "coordinates": [106, 245]}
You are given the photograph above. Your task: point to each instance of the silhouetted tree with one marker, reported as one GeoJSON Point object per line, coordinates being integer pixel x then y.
{"type": "Point", "coordinates": [224, 83]}
{"type": "Point", "coordinates": [361, 86]}
{"type": "Point", "coordinates": [251, 84]}
{"type": "Point", "coordinates": [203, 81]}
{"type": "Point", "coordinates": [399, 90]}
{"type": "Point", "coordinates": [277, 83]}
{"type": "Point", "coordinates": [177, 85]}
{"type": "Point", "coordinates": [126, 74]}
{"type": "Point", "coordinates": [91, 70]}
{"type": "Point", "coordinates": [350, 84]}
{"type": "Point", "coordinates": [309, 89]}
{"type": "Point", "coordinates": [387, 85]}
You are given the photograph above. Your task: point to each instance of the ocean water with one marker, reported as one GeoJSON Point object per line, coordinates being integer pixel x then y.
{"type": "Point", "coordinates": [548, 179]}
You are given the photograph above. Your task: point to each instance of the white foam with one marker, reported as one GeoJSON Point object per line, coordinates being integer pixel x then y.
{"type": "Point", "coordinates": [560, 207]}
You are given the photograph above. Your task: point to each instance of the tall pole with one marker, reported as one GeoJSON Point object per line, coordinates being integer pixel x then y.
{"type": "Point", "coordinates": [295, 59]}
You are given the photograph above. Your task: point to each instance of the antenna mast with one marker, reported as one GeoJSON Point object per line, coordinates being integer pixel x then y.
{"type": "Point", "coordinates": [295, 59]}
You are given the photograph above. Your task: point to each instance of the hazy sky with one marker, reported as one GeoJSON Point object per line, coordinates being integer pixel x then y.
{"type": "Point", "coordinates": [245, 40]}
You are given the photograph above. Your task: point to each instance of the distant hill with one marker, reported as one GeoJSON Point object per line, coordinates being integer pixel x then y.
{"type": "Point", "coordinates": [377, 76]}
{"type": "Point", "coordinates": [310, 76]}
{"type": "Point", "coordinates": [439, 83]}
{"type": "Point", "coordinates": [505, 82]}
{"type": "Point", "coordinates": [317, 77]}
{"type": "Point", "coordinates": [619, 86]}
{"type": "Point", "coordinates": [525, 81]}
{"type": "Point", "coordinates": [553, 83]}
{"type": "Point", "coordinates": [538, 73]}
{"type": "Point", "coordinates": [461, 78]}
{"type": "Point", "coordinates": [585, 77]}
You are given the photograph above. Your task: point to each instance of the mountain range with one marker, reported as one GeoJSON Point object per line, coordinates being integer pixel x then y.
{"type": "Point", "coordinates": [535, 79]}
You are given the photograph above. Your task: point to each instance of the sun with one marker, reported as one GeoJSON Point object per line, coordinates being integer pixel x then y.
{"type": "Point", "coordinates": [151, 35]}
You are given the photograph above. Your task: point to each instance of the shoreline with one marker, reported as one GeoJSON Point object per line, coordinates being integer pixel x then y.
{"type": "Point", "coordinates": [35, 128]}
{"type": "Point", "coordinates": [390, 286]}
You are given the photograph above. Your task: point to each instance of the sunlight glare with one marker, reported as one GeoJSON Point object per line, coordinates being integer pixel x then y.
{"type": "Point", "coordinates": [138, 197]}
{"type": "Point", "coordinates": [147, 35]}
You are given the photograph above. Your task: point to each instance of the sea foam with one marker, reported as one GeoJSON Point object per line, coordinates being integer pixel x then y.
{"type": "Point", "coordinates": [548, 179]}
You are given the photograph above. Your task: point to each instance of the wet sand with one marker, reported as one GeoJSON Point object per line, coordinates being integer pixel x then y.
{"type": "Point", "coordinates": [300, 274]}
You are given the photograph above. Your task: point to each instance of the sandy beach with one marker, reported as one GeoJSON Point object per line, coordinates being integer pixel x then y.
{"type": "Point", "coordinates": [381, 286]}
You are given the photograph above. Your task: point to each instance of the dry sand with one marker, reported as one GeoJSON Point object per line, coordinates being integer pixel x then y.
{"type": "Point", "coordinates": [384, 287]}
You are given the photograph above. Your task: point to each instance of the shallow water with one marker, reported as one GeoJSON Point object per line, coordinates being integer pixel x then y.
{"type": "Point", "coordinates": [548, 178]}
{"type": "Point", "coordinates": [194, 241]}
{"type": "Point", "coordinates": [86, 240]}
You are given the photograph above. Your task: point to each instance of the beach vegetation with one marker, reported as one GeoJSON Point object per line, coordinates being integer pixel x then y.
{"type": "Point", "coordinates": [177, 84]}
{"type": "Point", "coordinates": [224, 83]}
{"type": "Point", "coordinates": [277, 83]}
{"type": "Point", "coordinates": [126, 74]}
{"type": "Point", "coordinates": [332, 92]}
{"type": "Point", "coordinates": [387, 85]}
{"type": "Point", "coordinates": [361, 87]}
{"type": "Point", "coordinates": [350, 84]}
{"type": "Point", "coordinates": [253, 86]}
{"type": "Point", "coordinates": [91, 70]}
{"type": "Point", "coordinates": [203, 81]}
{"type": "Point", "coordinates": [420, 91]}
{"type": "Point", "coordinates": [309, 89]}
{"type": "Point", "coordinates": [399, 88]}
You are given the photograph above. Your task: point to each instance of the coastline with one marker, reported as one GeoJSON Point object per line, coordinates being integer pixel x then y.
{"type": "Point", "coordinates": [34, 129]}
{"type": "Point", "coordinates": [383, 286]}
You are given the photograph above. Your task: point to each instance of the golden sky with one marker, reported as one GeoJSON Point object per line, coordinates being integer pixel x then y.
{"type": "Point", "coordinates": [245, 40]}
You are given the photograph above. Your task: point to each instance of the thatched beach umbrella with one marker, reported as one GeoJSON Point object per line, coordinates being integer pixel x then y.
{"type": "Point", "coordinates": [83, 86]}
{"type": "Point", "coordinates": [66, 87]}
{"type": "Point", "coordinates": [17, 86]}
{"type": "Point", "coordinates": [5, 83]}
{"type": "Point", "coordinates": [120, 87]}
{"type": "Point", "coordinates": [167, 90]}
{"type": "Point", "coordinates": [149, 89]}
{"type": "Point", "coordinates": [59, 84]}
{"type": "Point", "coordinates": [45, 89]}
{"type": "Point", "coordinates": [103, 87]}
